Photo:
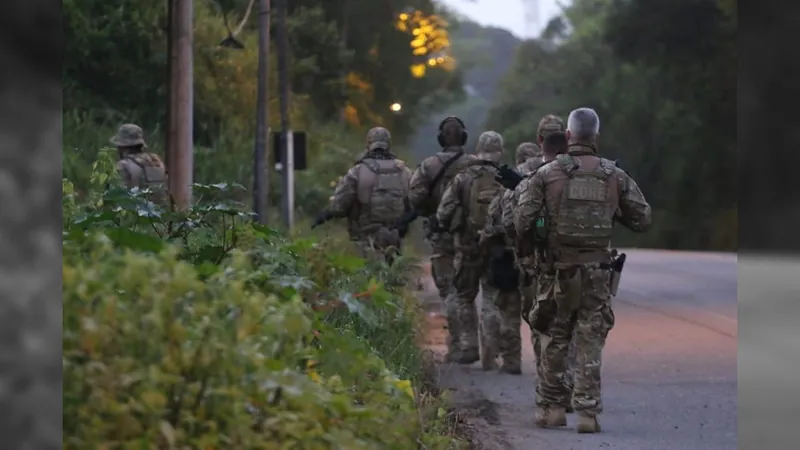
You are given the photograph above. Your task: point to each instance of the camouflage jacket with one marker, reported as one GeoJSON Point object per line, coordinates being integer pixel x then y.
{"type": "Point", "coordinates": [543, 190]}
{"type": "Point", "coordinates": [345, 201]}
{"type": "Point", "coordinates": [425, 199]}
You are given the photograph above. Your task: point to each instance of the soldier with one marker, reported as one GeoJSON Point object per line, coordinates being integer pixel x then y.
{"type": "Point", "coordinates": [427, 186]}
{"type": "Point", "coordinates": [526, 151]}
{"type": "Point", "coordinates": [582, 195]}
{"type": "Point", "coordinates": [373, 196]}
{"type": "Point", "coordinates": [464, 211]}
{"type": "Point", "coordinates": [548, 124]}
{"type": "Point", "coordinates": [137, 167]}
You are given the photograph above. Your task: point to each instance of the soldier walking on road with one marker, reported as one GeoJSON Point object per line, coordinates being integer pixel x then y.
{"type": "Point", "coordinates": [373, 196]}
{"type": "Point", "coordinates": [426, 188]}
{"type": "Point", "coordinates": [487, 265]}
{"type": "Point", "coordinates": [583, 195]}
{"type": "Point", "coordinates": [137, 167]}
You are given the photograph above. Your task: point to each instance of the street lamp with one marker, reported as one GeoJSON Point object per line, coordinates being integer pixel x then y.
{"type": "Point", "coordinates": [396, 107]}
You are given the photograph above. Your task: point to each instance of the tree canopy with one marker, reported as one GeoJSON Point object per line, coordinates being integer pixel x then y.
{"type": "Point", "coordinates": [662, 77]}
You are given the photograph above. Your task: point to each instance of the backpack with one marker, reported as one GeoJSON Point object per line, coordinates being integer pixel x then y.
{"type": "Point", "coordinates": [585, 216]}
{"type": "Point", "coordinates": [483, 189]}
{"type": "Point", "coordinates": [382, 190]}
{"type": "Point", "coordinates": [152, 176]}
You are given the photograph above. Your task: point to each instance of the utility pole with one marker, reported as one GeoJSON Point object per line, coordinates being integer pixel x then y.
{"type": "Point", "coordinates": [181, 104]}
{"type": "Point", "coordinates": [261, 150]}
{"type": "Point", "coordinates": [169, 138]}
{"type": "Point", "coordinates": [287, 146]}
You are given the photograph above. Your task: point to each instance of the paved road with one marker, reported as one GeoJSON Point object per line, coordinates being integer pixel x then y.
{"type": "Point", "coordinates": [669, 370]}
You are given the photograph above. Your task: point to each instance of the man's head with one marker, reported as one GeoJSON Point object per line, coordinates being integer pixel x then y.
{"type": "Point", "coordinates": [583, 125]}
{"type": "Point", "coordinates": [490, 146]}
{"type": "Point", "coordinates": [452, 132]}
{"type": "Point", "coordinates": [379, 138]}
{"type": "Point", "coordinates": [129, 139]}
{"type": "Point", "coordinates": [527, 150]}
{"type": "Point", "coordinates": [554, 144]}
{"type": "Point", "coordinates": [549, 124]}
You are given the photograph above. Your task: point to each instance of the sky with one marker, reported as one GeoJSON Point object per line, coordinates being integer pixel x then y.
{"type": "Point", "coordinates": [508, 14]}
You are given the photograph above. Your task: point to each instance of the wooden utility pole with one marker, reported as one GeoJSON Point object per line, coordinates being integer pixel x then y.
{"type": "Point", "coordinates": [261, 149]}
{"type": "Point", "coordinates": [287, 146]}
{"type": "Point", "coordinates": [180, 110]}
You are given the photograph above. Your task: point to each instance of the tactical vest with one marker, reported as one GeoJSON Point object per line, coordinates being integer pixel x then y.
{"type": "Point", "coordinates": [152, 175]}
{"type": "Point", "coordinates": [586, 209]}
{"type": "Point", "coordinates": [483, 189]}
{"type": "Point", "coordinates": [382, 191]}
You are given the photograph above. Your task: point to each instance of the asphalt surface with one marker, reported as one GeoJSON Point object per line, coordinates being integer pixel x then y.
{"type": "Point", "coordinates": [669, 372]}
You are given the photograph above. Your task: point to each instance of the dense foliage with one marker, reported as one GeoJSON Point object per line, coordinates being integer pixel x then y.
{"type": "Point", "coordinates": [350, 60]}
{"type": "Point", "coordinates": [203, 330]}
{"type": "Point", "coordinates": [662, 77]}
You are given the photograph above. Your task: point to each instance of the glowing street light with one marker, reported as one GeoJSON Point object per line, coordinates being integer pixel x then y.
{"type": "Point", "coordinates": [396, 107]}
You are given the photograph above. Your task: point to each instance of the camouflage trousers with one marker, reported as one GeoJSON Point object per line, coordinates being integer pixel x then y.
{"type": "Point", "coordinates": [383, 244]}
{"type": "Point", "coordinates": [584, 319]}
{"type": "Point", "coordinates": [442, 271]}
{"type": "Point", "coordinates": [460, 304]}
{"type": "Point", "coordinates": [500, 322]}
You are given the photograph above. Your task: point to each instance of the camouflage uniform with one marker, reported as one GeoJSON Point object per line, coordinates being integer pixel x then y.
{"type": "Point", "coordinates": [373, 195]}
{"type": "Point", "coordinates": [136, 167]}
{"type": "Point", "coordinates": [425, 199]}
{"type": "Point", "coordinates": [461, 213]}
{"type": "Point", "coordinates": [596, 193]}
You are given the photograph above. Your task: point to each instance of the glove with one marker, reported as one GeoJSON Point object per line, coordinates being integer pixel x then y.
{"type": "Point", "coordinates": [322, 218]}
{"type": "Point", "coordinates": [508, 177]}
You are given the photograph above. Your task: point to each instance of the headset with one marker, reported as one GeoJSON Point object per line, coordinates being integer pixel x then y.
{"type": "Point", "coordinates": [464, 134]}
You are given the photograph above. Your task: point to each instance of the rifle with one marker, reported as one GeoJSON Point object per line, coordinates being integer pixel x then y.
{"type": "Point", "coordinates": [322, 218]}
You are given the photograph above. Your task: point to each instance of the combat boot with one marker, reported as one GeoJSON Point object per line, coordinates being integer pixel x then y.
{"type": "Point", "coordinates": [511, 369]}
{"type": "Point", "coordinates": [550, 417]}
{"type": "Point", "coordinates": [587, 423]}
{"type": "Point", "coordinates": [468, 355]}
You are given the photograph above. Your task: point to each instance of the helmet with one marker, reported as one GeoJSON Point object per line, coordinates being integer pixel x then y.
{"type": "Point", "coordinates": [378, 137]}
{"type": "Point", "coordinates": [527, 150]}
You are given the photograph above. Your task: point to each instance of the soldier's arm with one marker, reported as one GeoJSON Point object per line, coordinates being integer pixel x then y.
{"type": "Point", "coordinates": [418, 187]}
{"type": "Point", "coordinates": [407, 174]}
{"type": "Point", "coordinates": [530, 200]}
{"type": "Point", "coordinates": [345, 195]}
{"type": "Point", "coordinates": [451, 200]}
{"type": "Point", "coordinates": [507, 212]}
{"type": "Point", "coordinates": [634, 212]}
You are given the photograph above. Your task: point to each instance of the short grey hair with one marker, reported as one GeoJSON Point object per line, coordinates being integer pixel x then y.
{"type": "Point", "coordinates": [583, 124]}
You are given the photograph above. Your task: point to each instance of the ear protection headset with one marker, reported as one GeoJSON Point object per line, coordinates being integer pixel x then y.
{"type": "Point", "coordinates": [464, 135]}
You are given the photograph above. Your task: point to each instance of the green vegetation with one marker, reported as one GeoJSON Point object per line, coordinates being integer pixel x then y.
{"type": "Point", "coordinates": [204, 330]}
{"type": "Point", "coordinates": [349, 61]}
{"type": "Point", "coordinates": [662, 77]}
{"type": "Point", "coordinates": [201, 329]}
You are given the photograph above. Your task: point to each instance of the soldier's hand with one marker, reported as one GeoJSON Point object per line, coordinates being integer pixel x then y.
{"type": "Point", "coordinates": [508, 177]}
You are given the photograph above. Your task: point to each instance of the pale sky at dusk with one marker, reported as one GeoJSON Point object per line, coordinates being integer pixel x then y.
{"type": "Point", "coordinates": [508, 14]}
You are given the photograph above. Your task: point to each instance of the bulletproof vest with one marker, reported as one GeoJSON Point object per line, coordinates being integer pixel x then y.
{"type": "Point", "coordinates": [382, 191]}
{"type": "Point", "coordinates": [483, 189]}
{"type": "Point", "coordinates": [587, 205]}
{"type": "Point", "coordinates": [437, 163]}
{"type": "Point", "coordinates": [152, 174]}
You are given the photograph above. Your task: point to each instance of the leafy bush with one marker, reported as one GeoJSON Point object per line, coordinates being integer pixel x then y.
{"type": "Point", "coordinates": [200, 329]}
